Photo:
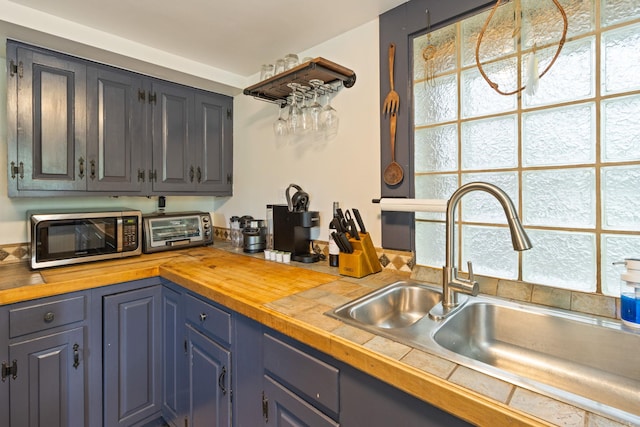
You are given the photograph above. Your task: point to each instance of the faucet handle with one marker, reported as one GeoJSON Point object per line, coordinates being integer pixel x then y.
{"type": "Point", "coordinates": [470, 268]}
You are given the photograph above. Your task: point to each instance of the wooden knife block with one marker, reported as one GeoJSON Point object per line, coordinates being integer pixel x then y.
{"type": "Point", "coordinates": [363, 261]}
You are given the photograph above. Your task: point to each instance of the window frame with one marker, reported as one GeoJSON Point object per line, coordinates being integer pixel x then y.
{"type": "Point", "coordinates": [399, 26]}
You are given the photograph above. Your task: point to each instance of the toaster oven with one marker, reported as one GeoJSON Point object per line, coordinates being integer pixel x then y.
{"type": "Point", "coordinates": [164, 231]}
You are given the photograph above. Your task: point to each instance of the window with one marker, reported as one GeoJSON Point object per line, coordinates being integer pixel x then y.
{"type": "Point", "coordinates": [568, 156]}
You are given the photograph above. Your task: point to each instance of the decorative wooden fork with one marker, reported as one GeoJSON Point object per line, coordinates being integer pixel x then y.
{"type": "Point", "coordinates": [392, 101]}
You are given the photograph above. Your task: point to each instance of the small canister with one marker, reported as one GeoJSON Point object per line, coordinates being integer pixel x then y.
{"type": "Point", "coordinates": [630, 293]}
{"type": "Point", "coordinates": [235, 234]}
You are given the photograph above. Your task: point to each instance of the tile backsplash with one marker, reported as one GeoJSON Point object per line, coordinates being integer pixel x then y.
{"type": "Point", "coordinates": [17, 252]}
{"type": "Point", "coordinates": [391, 260]}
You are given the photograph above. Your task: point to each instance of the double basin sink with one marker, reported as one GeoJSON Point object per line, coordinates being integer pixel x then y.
{"type": "Point", "coordinates": [591, 362]}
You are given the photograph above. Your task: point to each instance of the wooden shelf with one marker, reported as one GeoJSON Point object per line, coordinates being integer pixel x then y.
{"type": "Point", "coordinates": [275, 89]}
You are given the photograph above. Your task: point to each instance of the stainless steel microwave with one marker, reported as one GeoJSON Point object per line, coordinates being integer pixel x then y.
{"type": "Point", "coordinates": [65, 237]}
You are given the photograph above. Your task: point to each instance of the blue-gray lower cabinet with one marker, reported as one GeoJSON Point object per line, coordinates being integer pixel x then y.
{"type": "Point", "coordinates": [209, 382]}
{"type": "Point", "coordinates": [131, 356]}
{"type": "Point", "coordinates": [208, 343]}
{"type": "Point", "coordinates": [304, 387]}
{"type": "Point", "coordinates": [174, 349]}
{"type": "Point", "coordinates": [42, 344]}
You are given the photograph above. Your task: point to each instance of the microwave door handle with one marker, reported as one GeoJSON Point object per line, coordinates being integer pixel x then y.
{"type": "Point", "coordinates": [119, 234]}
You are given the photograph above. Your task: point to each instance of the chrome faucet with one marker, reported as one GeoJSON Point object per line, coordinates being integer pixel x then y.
{"type": "Point", "coordinates": [452, 285]}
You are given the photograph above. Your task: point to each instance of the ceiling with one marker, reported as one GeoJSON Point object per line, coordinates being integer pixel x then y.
{"type": "Point", "coordinates": [235, 35]}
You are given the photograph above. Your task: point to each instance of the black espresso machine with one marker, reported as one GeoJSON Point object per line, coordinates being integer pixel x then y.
{"type": "Point", "coordinates": [292, 224]}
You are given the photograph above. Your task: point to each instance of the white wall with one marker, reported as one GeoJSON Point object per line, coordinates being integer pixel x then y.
{"type": "Point", "coordinates": [345, 169]}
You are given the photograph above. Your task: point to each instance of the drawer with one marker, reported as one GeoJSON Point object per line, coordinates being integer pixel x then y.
{"type": "Point", "coordinates": [209, 319]}
{"type": "Point", "coordinates": [46, 314]}
{"type": "Point", "coordinates": [314, 380]}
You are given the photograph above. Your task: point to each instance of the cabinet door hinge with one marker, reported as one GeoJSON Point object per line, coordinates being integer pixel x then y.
{"type": "Point", "coordinates": [229, 114]}
{"type": "Point", "coordinates": [16, 69]}
{"type": "Point", "coordinates": [153, 175]}
{"type": "Point", "coordinates": [265, 408]}
{"type": "Point", "coordinates": [152, 98]}
{"type": "Point", "coordinates": [142, 96]}
{"type": "Point", "coordinates": [140, 175]}
{"type": "Point", "coordinates": [9, 371]}
{"type": "Point", "coordinates": [17, 170]}
{"type": "Point", "coordinates": [229, 179]}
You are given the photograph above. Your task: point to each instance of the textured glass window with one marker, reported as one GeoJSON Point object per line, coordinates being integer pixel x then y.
{"type": "Point", "coordinates": [615, 248]}
{"type": "Point", "coordinates": [567, 155]}
{"type": "Point", "coordinates": [437, 149]}
{"type": "Point", "coordinates": [621, 129]}
{"type": "Point", "coordinates": [491, 251]}
{"type": "Point", "coordinates": [620, 198]}
{"type": "Point", "coordinates": [616, 11]}
{"type": "Point", "coordinates": [571, 78]}
{"type": "Point", "coordinates": [436, 103]}
{"type": "Point", "coordinates": [478, 99]}
{"type": "Point", "coordinates": [442, 44]}
{"type": "Point", "coordinates": [480, 206]}
{"type": "Point", "coordinates": [567, 132]}
{"type": "Point", "coordinates": [621, 59]}
{"type": "Point", "coordinates": [561, 259]}
{"type": "Point", "coordinates": [559, 198]}
{"type": "Point", "coordinates": [488, 144]}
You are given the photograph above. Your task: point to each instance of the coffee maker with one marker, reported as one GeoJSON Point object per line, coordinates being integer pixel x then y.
{"type": "Point", "coordinates": [292, 224]}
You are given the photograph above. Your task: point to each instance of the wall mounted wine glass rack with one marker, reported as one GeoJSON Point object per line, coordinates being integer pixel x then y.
{"type": "Point", "coordinates": [275, 89]}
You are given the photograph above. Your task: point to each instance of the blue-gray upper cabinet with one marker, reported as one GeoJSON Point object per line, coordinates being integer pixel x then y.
{"type": "Point", "coordinates": [46, 99]}
{"type": "Point", "coordinates": [131, 357]}
{"type": "Point", "coordinates": [192, 140]}
{"type": "Point", "coordinates": [44, 372]}
{"type": "Point", "coordinates": [116, 130]}
{"type": "Point", "coordinates": [80, 128]}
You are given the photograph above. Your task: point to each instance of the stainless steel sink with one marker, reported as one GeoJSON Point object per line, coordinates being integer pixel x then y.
{"type": "Point", "coordinates": [584, 360]}
{"type": "Point", "coordinates": [398, 305]}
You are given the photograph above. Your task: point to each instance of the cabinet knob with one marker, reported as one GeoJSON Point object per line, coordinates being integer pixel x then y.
{"type": "Point", "coordinates": [203, 317]}
{"type": "Point", "coordinates": [49, 317]}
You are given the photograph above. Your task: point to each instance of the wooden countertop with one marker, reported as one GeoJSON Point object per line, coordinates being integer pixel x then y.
{"type": "Point", "coordinates": [287, 298]}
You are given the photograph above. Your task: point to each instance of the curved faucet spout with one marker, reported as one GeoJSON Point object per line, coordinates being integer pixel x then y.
{"type": "Point", "coordinates": [451, 283]}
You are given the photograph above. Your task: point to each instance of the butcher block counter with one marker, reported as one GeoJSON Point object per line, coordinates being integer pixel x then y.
{"type": "Point", "coordinates": [292, 299]}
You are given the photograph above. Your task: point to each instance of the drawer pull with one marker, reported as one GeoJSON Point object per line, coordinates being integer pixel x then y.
{"type": "Point", "coordinates": [203, 317]}
{"type": "Point", "coordinates": [76, 356]}
{"type": "Point", "coordinates": [221, 380]}
{"type": "Point", "coordinates": [49, 317]}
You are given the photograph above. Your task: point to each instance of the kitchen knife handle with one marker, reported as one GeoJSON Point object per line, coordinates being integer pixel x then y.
{"type": "Point", "coordinates": [353, 230]}
{"type": "Point", "coordinates": [356, 213]}
{"type": "Point", "coordinates": [336, 238]}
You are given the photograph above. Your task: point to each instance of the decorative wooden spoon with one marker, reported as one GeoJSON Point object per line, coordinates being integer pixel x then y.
{"type": "Point", "coordinates": [393, 173]}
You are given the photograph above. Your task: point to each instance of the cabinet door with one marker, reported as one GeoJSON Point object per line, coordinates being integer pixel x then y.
{"type": "Point", "coordinates": [212, 152]}
{"type": "Point", "coordinates": [115, 130]}
{"type": "Point", "coordinates": [49, 389]}
{"type": "Point", "coordinates": [132, 356]}
{"type": "Point", "coordinates": [283, 408]}
{"type": "Point", "coordinates": [209, 382]}
{"type": "Point", "coordinates": [174, 358]}
{"type": "Point", "coordinates": [172, 117]}
{"type": "Point", "coordinates": [51, 122]}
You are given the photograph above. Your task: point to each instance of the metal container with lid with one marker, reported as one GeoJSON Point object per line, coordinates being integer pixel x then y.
{"type": "Point", "coordinates": [254, 236]}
